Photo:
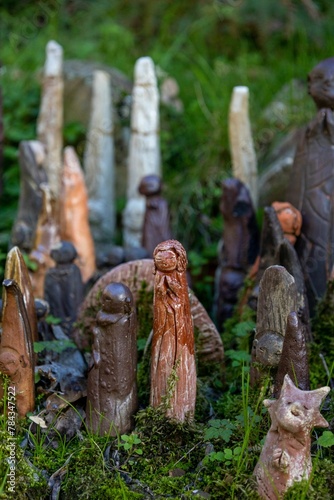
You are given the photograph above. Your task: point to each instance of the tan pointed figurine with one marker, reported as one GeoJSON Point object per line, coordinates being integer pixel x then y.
{"type": "Point", "coordinates": [286, 455]}
{"type": "Point", "coordinates": [73, 213]}
{"type": "Point", "coordinates": [16, 349]}
{"type": "Point", "coordinates": [173, 353]}
{"type": "Point", "coordinates": [17, 270]}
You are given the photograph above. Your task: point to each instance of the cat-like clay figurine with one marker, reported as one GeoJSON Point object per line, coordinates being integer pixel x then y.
{"type": "Point", "coordinates": [286, 455]}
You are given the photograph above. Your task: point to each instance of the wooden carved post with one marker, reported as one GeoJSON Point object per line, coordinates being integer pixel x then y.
{"type": "Point", "coordinates": [73, 213]}
{"type": "Point", "coordinates": [173, 369]}
{"type": "Point", "coordinates": [244, 164]}
{"type": "Point", "coordinates": [277, 298]}
{"type": "Point", "coordinates": [112, 385]}
{"type": "Point", "coordinates": [50, 119]}
{"type": "Point", "coordinates": [286, 455]}
{"type": "Point", "coordinates": [17, 270]}
{"type": "Point", "coordinates": [16, 349]}
{"type": "Point", "coordinates": [144, 149]}
{"type": "Point", "coordinates": [99, 161]}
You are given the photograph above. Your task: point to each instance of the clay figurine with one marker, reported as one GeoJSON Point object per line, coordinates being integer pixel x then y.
{"type": "Point", "coordinates": [63, 285]}
{"type": "Point", "coordinates": [277, 298]}
{"type": "Point", "coordinates": [289, 218]}
{"type": "Point", "coordinates": [156, 221]}
{"type": "Point", "coordinates": [294, 358]}
{"type": "Point", "coordinates": [240, 245]}
{"type": "Point", "coordinates": [112, 386]}
{"type": "Point", "coordinates": [173, 352]}
{"type": "Point", "coordinates": [16, 349]}
{"type": "Point", "coordinates": [286, 455]}
{"type": "Point", "coordinates": [312, 182]}
{"type": "Point", "coordinates": [32, 175]}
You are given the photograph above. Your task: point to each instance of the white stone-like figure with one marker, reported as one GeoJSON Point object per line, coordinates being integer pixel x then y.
{"type": "Point", "coordinates": [244, 163]}
{"type": "Point", "coordinates": [50, 119]}
{"type": "Point", "coordinates": [144, 149]}
{"type": "Point", "coordinates": [99, 161]}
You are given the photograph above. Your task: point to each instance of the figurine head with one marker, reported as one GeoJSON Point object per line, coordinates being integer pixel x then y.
{"type": "Point", "coordinates": [42, 308]}
{"type": "Point", "coordinates": [235, 200]}
{"type": "Point", "coordinates": [117, 298]}
{"type": "Point", "coordinates": [296, 410]}
{"type": "Point", "coordinates": [268, 348]}
{"type": "Point", "coordinates": [169, 256]}
{"type": "Point", "coordinates": [64, 252]}
{"type": "Point", "coordinates": [289, 218]}
{"type": "Point", "coordinates": [9, 363]}
{"type": "Point", "coordinates": [150, 185]}
{"type": "Point", "coordinates": [321, 84]}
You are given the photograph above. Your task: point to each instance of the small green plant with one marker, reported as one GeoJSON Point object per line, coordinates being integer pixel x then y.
{"type": "Point", "coordinates": [130, 444]}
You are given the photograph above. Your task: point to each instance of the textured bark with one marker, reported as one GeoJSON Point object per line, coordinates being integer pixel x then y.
{"type": "Point", "coordinates": [286, 455]}
{"type": "Point", "coordinates": [50, 119]}
{"type": "Point", "coordinates": [99, 163]}
{"type": "Point", "coordinates": [244, 163]}
{"type": "Point", "coordinates": [144, 149]}
{"type": "Point", "coordinates": [16, 349]}
{"type": "Point", "coordinates": [294, 359]}
{"type": "Point", "coordinates": [277, 298]}
{"type": "Point", "coordinates": [173, 367]}
{"type": "Point", "coordinates": [73, 213]}
{"type": "Point", "coordinates": [134, 274]}
{"type": "Point", "coordinates": [112, 388]}
{"type": "Point", "coordinates": [32, 175]}
{"type": "Point", "coordinates": [17, 270]}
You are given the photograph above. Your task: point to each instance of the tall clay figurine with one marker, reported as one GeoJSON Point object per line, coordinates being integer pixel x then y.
{"type": "Point", "coordinates": [286, 455]}
{"type": "Point", "coordinates": [156, 221]}
{"type": "Point", "coordinates": [112, 386]}
{"type": "Point", "coordinates": [173, 355]}
{"type": "Point", "coordinates": [63, 288]}
{"type": "Point", "coordinates": [312, 185]}
{"type": "Point", "coordinates": [16, 350]}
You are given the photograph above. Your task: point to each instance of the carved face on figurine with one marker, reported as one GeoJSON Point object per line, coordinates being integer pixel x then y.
{"type": "Point", "coordinates": [9, 363]}
{"type": "Point", "coordinates": [268, 349]}
{"type": "Point", "coordinates": [297, 410]}
{"type": "Point", "coordinates": [64, 253]}
{"type": "Point", "coordinates": [170, 256]}
{"type": "Point", "coordinates": [321, 84]}
{"type": "Point", "coordinates": [150, 185]}
{"type": "Point", "coordinates": [117, 298]}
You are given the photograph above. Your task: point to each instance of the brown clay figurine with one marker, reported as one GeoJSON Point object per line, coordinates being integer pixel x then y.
{"type": "Point", "coordinates": [294, 358]}
{"type": "Point", "coordinates": [312, 183]}
{"type": "Point", "coordinates": [156, 221]}
{"type": "Point", "coordinates": [290, 219]}
{"type": "Point", "coordinates": [173, 335]}
{"type": "Point", "coordinates": [286, 455]}
{"type": "Point", "coordinates": [63, 288]}
{"type": "Point", "coordinates": [240, 245]}
{"type": "Point", "coordinates": [32, 175]}
{"type": "Point", "coordinates": [17, 270]}
{"type": "Point", "coordinates": [112, 386]}
{"type": "Point", "coordinates": [16, 349]}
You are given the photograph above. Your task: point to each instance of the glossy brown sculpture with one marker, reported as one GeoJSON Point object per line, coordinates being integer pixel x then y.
{"type": "Point", "coordinates": [173, 351]}
{"type": "Point", "coordinates": [73, 213]}
{"type": "Point", "coordinates": [32, 175]}
{"type": "Point", "coordinates": [17, 270]}
{"type": "Point", "coordinates": [47, 236]}
{"type": "Point", "coordinates": [16, 349]}
{"type": "Point", "coordinates": [138, 276]}
{"type": "Point", "coordinates": [240, 245]}
{"type": "Point", "coordinates": [286, 455]}
{"type": "Point", "coordinates": [112, 386]}
{"type": "Point", "coordinates": [294, 358]}
{"type": "Point", "coordinates": [290, 219]}
{"type": "Point", "coordinates": [156, 226]}
{"type": "Point", "coordinates": [63, 287]}
{"type": "Point", "coordinates": [311, 185]}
